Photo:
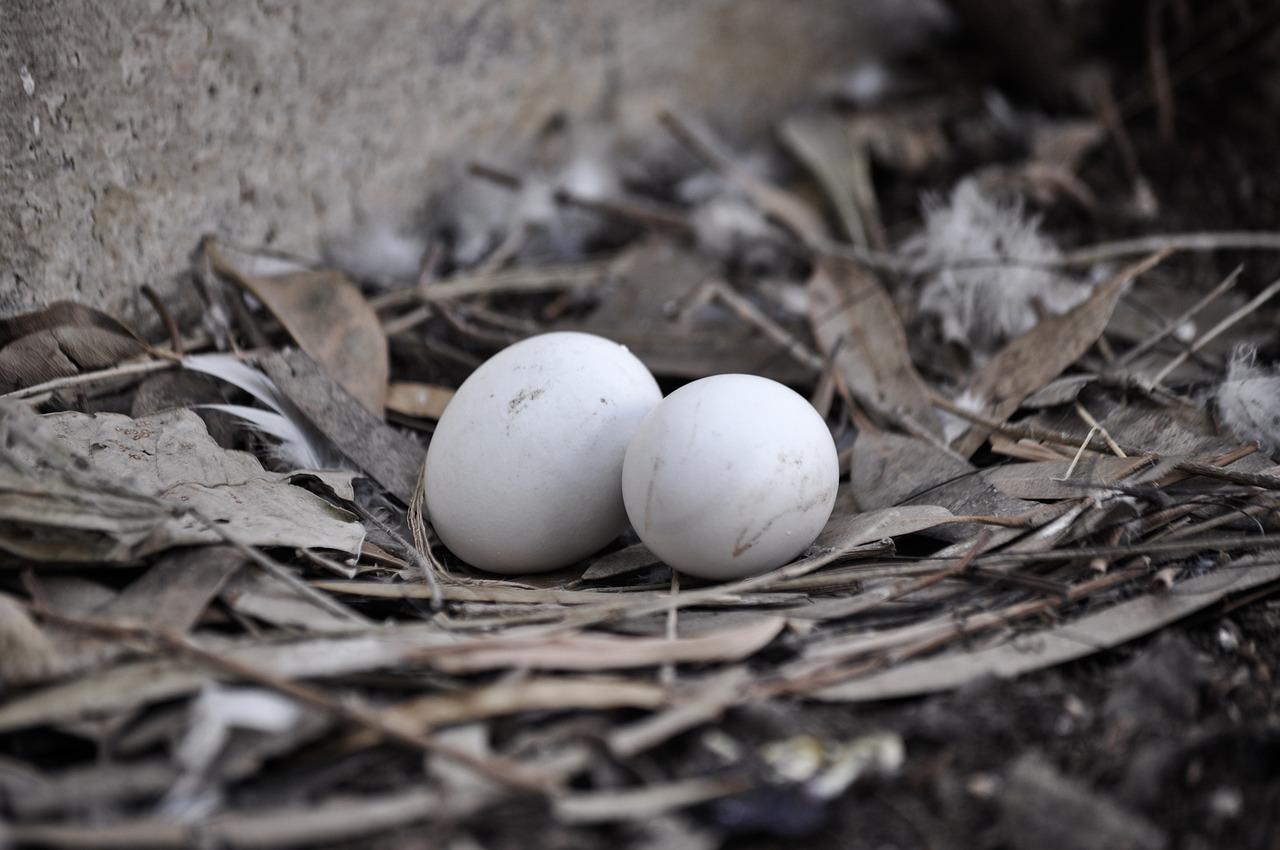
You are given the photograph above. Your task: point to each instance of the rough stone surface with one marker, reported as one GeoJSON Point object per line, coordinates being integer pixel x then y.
{"type": "Point", "coordinates": [129, 129]}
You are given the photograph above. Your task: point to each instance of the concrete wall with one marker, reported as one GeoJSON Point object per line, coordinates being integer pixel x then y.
{"type": "Point", "coordinates": [129, 128]}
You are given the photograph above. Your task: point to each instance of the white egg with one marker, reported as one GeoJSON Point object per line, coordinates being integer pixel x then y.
{"type": "Point", "coordinates": [730, 476]}
{"type": "Point", "coordinates": [524, 471]}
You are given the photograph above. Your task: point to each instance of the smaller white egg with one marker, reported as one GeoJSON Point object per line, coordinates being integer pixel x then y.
{"type": "Point", "coordinates": [524, 470]}
{"type": "Point", "coordinates": [730, 476]}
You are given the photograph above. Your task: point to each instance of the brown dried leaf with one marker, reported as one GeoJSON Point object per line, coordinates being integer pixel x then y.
{"type": "Point", "coordinates": [646, 802]}
{"type": "Point", "coordinates": [585, 651]}
{"type": "Point", "coordinates": [425, 401]}
{"type": "Point", "coordinates": [1031, 361]}
{"type": "Point", "coordinates": [635, 310]}
{"type": "Point", "coordinates": [537, 694]}
{"type": "Point", "coordinates": [855, 323]}
{"type": "Point", "coordinates": [826, 147]}
{"type": "Point", "coordinates": [130, 685]}
{"type": "Point", "coordinates": [53, 517]}
{"type": "Point", "coordinates": [61, 340]}
{"type": "Point", "coordinates": [26, 652]}
{"type": "Point", "coordinates": [852, 530]}
{"type": "Point", "coordinates": [1044, 480]}
{"type": "Point", "coordinates": [1058, 645]}
{"type": "Point", "coordinates": [389, 457]}
{"type": "Point", "coordinates": [329, 318]}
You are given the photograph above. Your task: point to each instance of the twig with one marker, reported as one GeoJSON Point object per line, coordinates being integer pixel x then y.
{"type": "Point", "coordinates": [1106, 435]}
{"type": "Point", "coordinates": [752, 314]}
{"type": "Point", "coordinates": [126, 370]}
{"type": "Point", "coordinates": [496, 769]}
{"type": "Point", "coordinates": [170, 326]}
{"type": "Point", "coordinates": [645, 214]}
{"type": "Point", "coordinates": [410, 551]}
{"type": "Point", "coordinates": [1075, 460]}
{"type": "Point", "coordinates": [1213, 333]}
{"type": "Point", "coordinates": [1173, 325]}
{"type": "Point", "coordinates": [1231, 240]}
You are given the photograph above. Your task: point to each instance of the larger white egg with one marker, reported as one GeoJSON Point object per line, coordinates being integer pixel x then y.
{"type": "Point", "coordinates": [730, 476]}
{"type": "Point", "coordinates": [524, 471]}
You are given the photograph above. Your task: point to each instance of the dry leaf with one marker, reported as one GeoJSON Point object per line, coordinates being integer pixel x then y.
{"type": "Point", "coordinates": [1049, 647]}
{"type": "Point", "coordinates": [606, 652]}
{"type": "Point", "coordinates": [1044, 480]}
{"type": "Point", "coordinates": [649, 282]}
{"type": "Point", "coordinates": [536, 694]}
{"type": "Point", "coordinates": [852, 530]}
{"type": "Point", "coordinates": [26, 652]}
{"type": "Point", "coordinates": [389, 457]}
{"type": "Point", "coordinates": [331, 321]}
{"type": "Point", "coordinates": [269, 599]}
{"type": "Point", "coordinates": [61, 340]}
{"type": "Point", "coordinates": [825, 146]}
{"type": "Point", "coordinates": [856, 324]}
{"type": "Point", "coordinates": [1031, 361]}
{"type": "Point", "coordinates": [170, 456]}
{"type": "Point", "coordinates": [130, 685]}
{"type": "Point", "coordinates": [425, 401]}
{"type": "Point", "coordinates": [647, 802]}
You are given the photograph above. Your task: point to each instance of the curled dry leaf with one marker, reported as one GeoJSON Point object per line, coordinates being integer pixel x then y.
{"type": "Point", "coordinates": [61, 340]}
{"type": "Point", "coordinates": [329, 318]}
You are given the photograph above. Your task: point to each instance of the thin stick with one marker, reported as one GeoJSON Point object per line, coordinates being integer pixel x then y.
{"type": "Point", "coordinates": [1106, 435]}
{"type": "Point", "coordinates": [123, 371]}
{"type": "Point", "coordinates": [494, 768]}
{"type": "Point", "coordinates": [1079, 453]}
{"type": "Point", "coordinates": [644, 214]}
{"type": "Point", "coordinates": [752, 314]}
{"type": "Point", "coordinates": [170, 326]}
{"type": "Point", "coordinates": [1213, 333]}
{"type": "Point", "coordinates": [1187, 315]}
{"type": "Point", "coordinates": [1230, 240]}
{"type": "Point", "coordinates": [667, 675]}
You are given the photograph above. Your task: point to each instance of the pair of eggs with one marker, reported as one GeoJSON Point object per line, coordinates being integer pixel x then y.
{"type": "Point", "coordinates": [551, 445]}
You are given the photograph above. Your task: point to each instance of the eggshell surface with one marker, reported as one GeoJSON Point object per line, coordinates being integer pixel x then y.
{"type": "Point", "coordinates": [523, 472]}
{"type": "Point", "coordinates": [730, 476]}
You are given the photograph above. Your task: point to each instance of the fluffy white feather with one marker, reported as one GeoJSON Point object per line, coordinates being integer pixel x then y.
{"type": "Point", "coordinates": [379, 253]}
{"type": "Point", "coordinates": [297, 445]}
{"type": "Point", "coordinates": [977, 304]}
{"type": "Point", "coordinates": [1249, 400]}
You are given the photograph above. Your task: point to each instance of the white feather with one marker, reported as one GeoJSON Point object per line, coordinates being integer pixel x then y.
{"type": "Point", "coordinates": [298, 445]}
{"type": "Point", "coordinates": [1249, 400]}
{"type": "Point", "coordinates": [976, 304]}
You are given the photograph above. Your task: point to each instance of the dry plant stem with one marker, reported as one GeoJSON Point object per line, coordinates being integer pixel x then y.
{"type": "Point", "coordinates": [126, 370]}
{"type": "Point", "coordinates": [1018, 611]}
{"type": "Point", "coordinates": [1213, 333]}
{"type": "Point", "coordinates": [408, 321]}
{"type": "Point", "coordinates": [1189, 467]}
{"type": "Point", "coordinates": [1230, 240]}
{"type": "Point", "coordinates": [166, 318]}
{"type": "Point", "coordinates": [646, 215]}
{"type": "Point", "coordinates": [410, 551]}
{"type": "Point", "coordinates": [752, 314]}
{"type": "Point", "coordinates": [1075, 460]}
{"type": "Point", "coordinates": [1158, 70]}
{"type": "Point", "coordinates": [494, 769]}
{"type": "Point", "coordinates": [1189, 314]}
{"type": "Point", "coordinates": [1106, 435]}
